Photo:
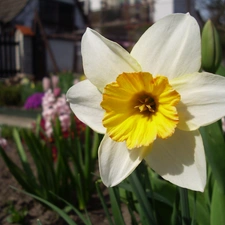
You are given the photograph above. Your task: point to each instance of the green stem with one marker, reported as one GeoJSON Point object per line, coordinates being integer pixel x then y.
{"type": "Point", "coordinates": [185, 211]}
{"type": "Point", "coordinates": [140, 193]}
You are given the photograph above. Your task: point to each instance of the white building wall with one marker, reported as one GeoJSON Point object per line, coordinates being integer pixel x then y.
{"type": "Point", "coordinates": [19, 50]}
{"type": "Point", "coordinates": [24, 53]}
{"type": "Point", "coordinates": [95, 5]}
{"type": "Point", "coordinates": [162, 8]}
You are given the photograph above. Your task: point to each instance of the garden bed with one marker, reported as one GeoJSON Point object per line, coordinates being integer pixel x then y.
{"type": "Point", "coordinates": [10, 198]}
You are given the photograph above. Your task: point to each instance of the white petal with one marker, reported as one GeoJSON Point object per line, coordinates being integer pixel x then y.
{"type": "Point", "coordinates": [116, 162]}
{"type": "Point", "coordinates": [104, 60]}
{"type": "Point", "coordinates": [170, 47]}
{"type": "Point", "coordinates": [202, 99]}
{"type": "Point", "coordinates": [180, 159]}
{"type": "Point", "coordinates": [85, 99]}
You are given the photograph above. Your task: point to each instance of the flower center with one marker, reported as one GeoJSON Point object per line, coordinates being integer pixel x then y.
{"type": "Point", "coordinates": [146, 104]}
{"type": "Point", "coordinates": [139, 109]}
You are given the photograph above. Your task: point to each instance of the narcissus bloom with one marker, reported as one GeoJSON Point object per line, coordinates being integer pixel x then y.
{"type": "Point", "coordinates": [150, 103]}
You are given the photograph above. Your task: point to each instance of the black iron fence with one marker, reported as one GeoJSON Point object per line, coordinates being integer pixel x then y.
{"type": "Point", "coordinates": [8, 56]}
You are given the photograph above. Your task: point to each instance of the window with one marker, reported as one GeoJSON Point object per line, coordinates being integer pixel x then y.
{"type": "Point", "coordinates": [58, 15]}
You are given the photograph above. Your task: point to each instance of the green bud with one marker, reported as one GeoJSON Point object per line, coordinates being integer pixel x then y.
{"type": "Point", "coordinates": [211, 48]}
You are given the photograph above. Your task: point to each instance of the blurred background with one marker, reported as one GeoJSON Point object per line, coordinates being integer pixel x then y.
{"type": "Point", "coordinates": [40, 37]}
{"type": "Point", "coordinates": [40, 41]}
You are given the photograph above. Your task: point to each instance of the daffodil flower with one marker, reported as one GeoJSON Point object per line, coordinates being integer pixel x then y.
{"type": "Point", "coordinates": [150, 102]}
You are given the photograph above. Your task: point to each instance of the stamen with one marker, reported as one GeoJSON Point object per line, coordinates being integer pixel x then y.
{"type": "Point", "coordinates": [146, 103]}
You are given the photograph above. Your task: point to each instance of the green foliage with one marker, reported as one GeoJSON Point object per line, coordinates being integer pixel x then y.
{"type": "Point", "coordinates": [151, 200]}
{"type": "Point", "coordinates": [39, 222]}
{"type": "Point", "coordinates": [217, 206]}
{"type": "Point", "coordinates": [221, 71]}
{"type": "Point", "coordinates": [30, 88]}
{"type": "Point", "coordinates": [16, 94]}
{"type": "Point", "coordinates": [214, 194]}
{"type": "Point", "coordinates": [211, 48]}
{"type": "Point", "coordinates": [10, 95]}
{"type": "Point", "coordinates": [6, 131]}
{"type": "Point", "coordinates": [215, 152]}
{"type": "Point", "coordinates": [52, 206]}
{"type": "Point", "coordinates": [68, 176]}
{"type": "Point", "coordinates": [16, 216]}
{"type": "Point", "coordinates": [65, 81]}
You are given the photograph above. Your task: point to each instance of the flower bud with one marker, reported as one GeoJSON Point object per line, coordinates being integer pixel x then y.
{"type": "Point", "coordinates": [46, 83]}
{"type": "Point", "coordinates": [211, 48]}
{"type": "Point", "coordinates": [55, 81]}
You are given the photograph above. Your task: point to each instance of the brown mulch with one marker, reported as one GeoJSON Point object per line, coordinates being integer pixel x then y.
{"type": "Point", "coordinates": [35, 210]}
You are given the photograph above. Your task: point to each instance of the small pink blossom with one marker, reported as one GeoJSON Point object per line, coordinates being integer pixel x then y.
{"type": "Point", "coordinates": [56, 91]}
{"type": "Point", "coordinates": [75, 81]}
{"type": "Point", "coordinates": [46, 83]}
{"type": "Point", "coordinates": [55, 108]}
{"type": "Point", "coordinates": [55, 81]}
{"type": "Point", "coordinates": [3, 143]}
{"type": "Point", "coordinates": [65, 121]}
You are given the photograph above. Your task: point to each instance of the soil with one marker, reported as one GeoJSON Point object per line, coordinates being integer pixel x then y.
{"type": "Point", "coordinates": [35, 210]}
